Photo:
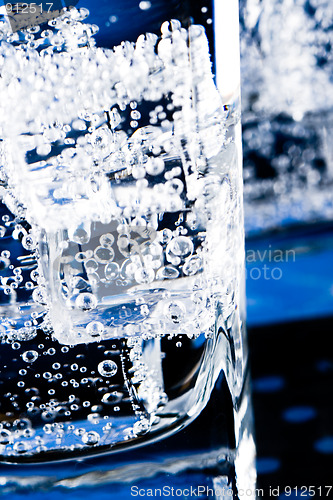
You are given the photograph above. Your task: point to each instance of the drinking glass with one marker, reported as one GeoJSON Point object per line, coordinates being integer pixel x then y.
{"type": "Point", "coordinates": [287, 117]}
{"type": "Point", "coordinates": [122, 259]}
{"type": "Point", "coordinates": [287, 112]}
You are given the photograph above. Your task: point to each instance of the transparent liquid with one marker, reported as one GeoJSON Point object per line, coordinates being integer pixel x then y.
{"type": "Point", "coordinates": [125, 303]}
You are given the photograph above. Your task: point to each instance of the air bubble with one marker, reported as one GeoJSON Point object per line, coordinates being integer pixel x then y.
{"type": "Point", "coordinates": [111, 271]}
{"type": "Point", "coordinates": [174, 186]}
{"type": "Point", "coordinates": [144, 5]}
{"type": "Point", "coordinates": [102, 139]}
{"type": "Point", "coordinates": [103, 254]}
{"type": "Point", "coordinates": [34, 275]}
{"type": "Point", "coordinates": [95, 328]}
{"type": "Point", "coordinates": [144, 275]}
{"type": "Point", "coordinates": [81, 234]}
{"type": "Point", "coordinates": [43, 150]}
{"type": "Point", "coordinates": [30, 356]}
{"type": "Point", "coordinates": [49, 415]}
{"type": "Point", "coordinates": [93, 418]}
{"type": "Point", "coordinates": [21, 446]}
{"type": "Point", "coordinates": [38, 296]}
{"type": "Point", "coordinates": [138, 172]}
{"type": "Point", "coordinates": [107, 240]}
{"type": "Point", "coordinates": [167, 272]}
{"type": "Point", "coordinates": [136, 115]}
{"type": "Point", "coordinates": [5, 436]}
{"type": "Point", "coordinates": [181, 246]}
{"type": "Point", "coordinates": [79, 125]}
{"type": "Point", "coordinates": [175, 311]}
{"type": "Point", "coordinates": [80, 256]}
{"type": "Point", "coordinates": [28, 242]}
{"type": "Point", "coordinates": [192, 266]}
{"type": "Point", "coordinates": [91, 438]}
{"type": "Point", "coordinates": [107, 368]}
{"type": "Point", "coordinates": [154, 166]}
{"type": "Point", "coordinates": [91, 266]}
{"type": "Point", "coordinates": [127, 247]}
{"type": "Point", "coordinates": [86, 301]}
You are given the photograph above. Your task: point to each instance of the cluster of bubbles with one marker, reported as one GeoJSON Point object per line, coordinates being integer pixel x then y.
{"type": "Point", "coordinates": [84, 403]}
{"type": "Point", "coordinates": [22, 286]}
{"type": "Point", "coordinates": [76, 119]}
{"type": "Point", "coordinates": [159, 270]}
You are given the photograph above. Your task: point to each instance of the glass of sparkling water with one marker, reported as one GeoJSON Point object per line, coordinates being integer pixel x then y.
{"type": "Point", "coordinates": [122, 253]}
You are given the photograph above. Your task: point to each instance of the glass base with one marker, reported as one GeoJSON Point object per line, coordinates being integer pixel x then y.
{"type": "Point", "coordinates": [213, 457]}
